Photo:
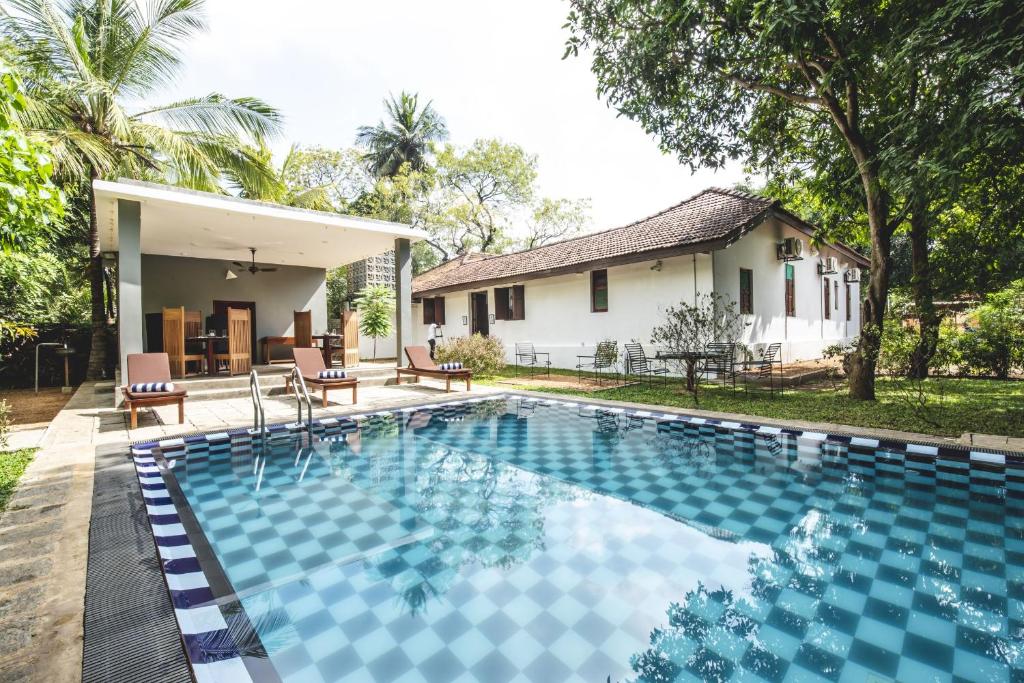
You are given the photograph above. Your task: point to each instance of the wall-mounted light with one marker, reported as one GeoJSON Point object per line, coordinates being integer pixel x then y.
{"type": "Point", "coordinates": [657, 266]}
{"type": "Point", "coordinates": [491, 318]}
{"type": "Point", "coordinates": [229, 274]}
{"type": "Point", "coordinates": [465, 320]}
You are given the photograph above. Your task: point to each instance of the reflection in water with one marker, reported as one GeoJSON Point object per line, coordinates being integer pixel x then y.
{"type": "Point", "coordinates": [619, 547]}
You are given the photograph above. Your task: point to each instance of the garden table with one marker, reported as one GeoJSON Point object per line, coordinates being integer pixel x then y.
{"type": "Point", "coordinates": [691, 358]}
{"type": "Point", "coordinates": [208, 343]}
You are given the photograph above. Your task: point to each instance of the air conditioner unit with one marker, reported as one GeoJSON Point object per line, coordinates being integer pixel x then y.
{"type": "Point", "coordinates": [853, 275]}
{"type": "Point", "coordinates": [790, 249]}
{"type": "Point", "coordinates": [828, 265]}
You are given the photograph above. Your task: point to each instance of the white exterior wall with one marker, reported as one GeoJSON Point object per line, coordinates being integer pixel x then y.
{"type": "Point", "coordinates": [558, 318]}
{"type": "Point", "coordinates": [805, 335]}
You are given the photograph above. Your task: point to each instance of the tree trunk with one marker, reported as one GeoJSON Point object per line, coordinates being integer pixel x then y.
{"type": "Point", "coordinates": [98, 346]}
{"type": "Point", "coordinates": [865, 358]}
{"type": "Point", "coordinates": [921, 287]}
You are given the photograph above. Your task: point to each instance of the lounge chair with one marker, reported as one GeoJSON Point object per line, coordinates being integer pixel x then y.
{"type": "Point", "coordinates": [420, 365]}
{"type": "Point", "coordinates": [603, 360]}
{"type": "Point", "coordinates": [310, 363]}
{"type": "Point", "coordinates": [764, 368]}
{"type": "Point", "coordinates": [146, 368]}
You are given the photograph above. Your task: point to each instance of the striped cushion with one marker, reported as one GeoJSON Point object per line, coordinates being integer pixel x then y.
{"type": "Point", "coordinates": [151, 387]}
{"type": "Point", "coordinates": [450, 366]}
{"type": "Point", "coordinates": [331, 374]}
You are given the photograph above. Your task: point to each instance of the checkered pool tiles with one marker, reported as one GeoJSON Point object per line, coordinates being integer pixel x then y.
{"type": "Point", "coordinates": [525, 540]}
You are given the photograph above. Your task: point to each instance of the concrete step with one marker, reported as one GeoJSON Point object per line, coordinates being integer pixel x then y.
{"type": "Point", "coordinates": [216, 388]}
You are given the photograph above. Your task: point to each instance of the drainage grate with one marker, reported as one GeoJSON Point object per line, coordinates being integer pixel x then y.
{"type": "Point", "coordinates": [130, 630]}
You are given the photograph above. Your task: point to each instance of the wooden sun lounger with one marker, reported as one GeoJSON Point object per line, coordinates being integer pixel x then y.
{"type": "Point", "coordinates": [310, 362]}
{"type": "Point", "coordinates": [420, 365]}
{"type": "Point", "coordinates": [144, 368]}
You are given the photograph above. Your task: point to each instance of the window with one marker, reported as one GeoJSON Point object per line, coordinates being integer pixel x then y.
{"type": "Point", "coordinates": [746, 291]}
{"type": "Point", "coordinates": [598, 291]}
{"type": "Point", "coordinates": [828, 302]}
{"type": "Point", "coordinates": [510, 303]}
{"type": "Point", "coordinates": [849, 302]}
{"type": "Point", "coordinates": [790, 292]}
{"type": "Point", "coordinates": [433, 310]}
{"type": "Point", "coordinates": [836, 292]}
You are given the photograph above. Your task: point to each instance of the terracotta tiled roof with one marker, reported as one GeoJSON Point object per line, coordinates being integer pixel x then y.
{"type": "Point", "coordinates": [711, 216]}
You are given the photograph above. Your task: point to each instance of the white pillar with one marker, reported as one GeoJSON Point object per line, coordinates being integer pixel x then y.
{"type": "Point", "coordinates": [403, 298]}
{"type": "Point", "coordinates": [129, 281]}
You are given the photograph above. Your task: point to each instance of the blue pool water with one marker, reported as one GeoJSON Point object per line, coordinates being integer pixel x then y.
{"type": "Point", "coordinates": [519, 541]}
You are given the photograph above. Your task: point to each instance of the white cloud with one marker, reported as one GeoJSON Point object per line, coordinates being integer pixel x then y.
{"type": "Point", "coordinates": [492, 70]}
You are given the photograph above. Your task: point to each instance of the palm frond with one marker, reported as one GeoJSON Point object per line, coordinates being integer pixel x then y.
{"type": "Point", "coordinates": [216, 114]}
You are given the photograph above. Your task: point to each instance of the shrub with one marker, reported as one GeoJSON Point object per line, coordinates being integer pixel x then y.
{"type": "Point", "coordinates": [995, 344]}
{"type": "Point", "coordinates": [5, 423]}
{"type": "Point", "coordinates": [483, 355]}
{"type": "Point", "coordinates": [376, 306]}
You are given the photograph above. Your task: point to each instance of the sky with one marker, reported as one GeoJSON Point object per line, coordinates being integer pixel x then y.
{"type": "Point", "coordinates": [491, 69]}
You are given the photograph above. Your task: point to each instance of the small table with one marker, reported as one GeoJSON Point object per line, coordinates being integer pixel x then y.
{"type": "Point", "coordinates": [208, 342]}
{"type": "Point", "coordinates": [325, 345]}
{"type": "Point", "coordinates": [691, 358]}
{"type": "Point", "coordinates": [267, 342]}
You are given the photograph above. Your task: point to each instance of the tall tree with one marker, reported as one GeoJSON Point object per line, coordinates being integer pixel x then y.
{"type": "Point", "coordinates": [555, 219]}
{"type": "Point", "coordinates": [404, 137]}
{"type": "Point", "coordinates": [819, 83]}
{"type": "Point", "coordinates": [85, 62]}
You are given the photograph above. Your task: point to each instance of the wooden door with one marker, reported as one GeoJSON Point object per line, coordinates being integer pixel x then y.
{"type": "Point", "coordinates": [221, 308]}
{"type": "Point", "coordinates": [478, 311]}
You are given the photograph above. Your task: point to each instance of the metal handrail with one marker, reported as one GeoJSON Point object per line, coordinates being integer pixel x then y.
{"type": "Point", "coordinates": [259, 417]}
{"type": "Point", "coordinates": [297, 383]}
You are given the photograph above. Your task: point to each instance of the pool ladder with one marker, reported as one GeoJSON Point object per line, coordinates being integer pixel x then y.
{"type": "Point", "coordinates": [302, 394]}
{"type": "Point", "coordinates": [259, 417]}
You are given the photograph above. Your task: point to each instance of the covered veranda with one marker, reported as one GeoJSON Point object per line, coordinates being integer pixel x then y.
{"type": "Point", "coordinates": [177, 248]}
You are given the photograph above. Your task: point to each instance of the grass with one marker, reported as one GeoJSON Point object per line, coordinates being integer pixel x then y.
{"type": "Point", "coordinates": [12, 466]}
{"type": "Point", "coordinates": [937, 406]}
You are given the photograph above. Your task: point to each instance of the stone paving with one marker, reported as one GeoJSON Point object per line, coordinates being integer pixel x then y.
{"type": "Point", "coordinates": [44, 533]}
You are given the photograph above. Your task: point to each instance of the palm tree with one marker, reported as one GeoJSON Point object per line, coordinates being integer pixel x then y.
{"type": "Point", "coordinates": [405, 137]}
{"type": "Point", "coordinates": [280, 189]}
{"type": "Point", "coordinates": [86, 62]}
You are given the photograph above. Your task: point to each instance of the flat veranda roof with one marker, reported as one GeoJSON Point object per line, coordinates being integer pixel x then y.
{"type": "Point", "coordinates": [188, 223]}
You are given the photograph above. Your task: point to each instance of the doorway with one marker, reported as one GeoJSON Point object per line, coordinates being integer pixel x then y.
{"type": "Point", "coordinates": [220, 308]}
{"type": "Point", "coordinates": [478, 310]}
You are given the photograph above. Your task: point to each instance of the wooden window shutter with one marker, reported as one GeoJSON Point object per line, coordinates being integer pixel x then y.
{"type": "Point", "coordinates": [428, 311]}
{"type": "Point", "coordinates": [828, 300]}
{"type": "Point", "coordinates": [746, 291]}
{"type": "Point", "coordinates": [519, 302]}
{"type": "Point", "coordinates": [790, 291]}
{"type": "Point", "coordinates": [501, 307]}
{"type": "Point", "coordinates": [439, 310]}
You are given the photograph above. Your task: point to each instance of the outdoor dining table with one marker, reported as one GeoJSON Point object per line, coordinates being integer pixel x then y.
{"type": "Point", "coordinates": [208, 342]}
{"type": "Point", "coordinates": [325, 345]}
{"type": "Point", "coordinates": [691, 358]}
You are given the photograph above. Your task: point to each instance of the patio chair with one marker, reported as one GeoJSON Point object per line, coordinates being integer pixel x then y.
{"type": "Point", "coordinates": [145, 368]}
{"type": "Point", "coordinates": [174, 333]}
{"type": "Point", "coordinates": [310, 363]}
{"type": "Point", "coordinates": [637, 363]}
{"type": "Point", "coordinates": [420, 365]}
{"type": "Point", "coordinates": [764, 368]}
{"type": "Point", "coordinates": [303, 329]}
{"type": "Point", "coordinates": [239, 353]}
{"type": "Point", "coordinates": [602, 361]}
{"type": "Point", "coordinates": [721, 362]}
{"type": "Point", "coordinates": [527, 356]}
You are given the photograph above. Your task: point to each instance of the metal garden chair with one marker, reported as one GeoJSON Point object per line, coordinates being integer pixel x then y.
{"type": "Point", "coordinates": [765, 368]}
{"type": "Point", "coordinates": [637, 363]}
{"type": "Point", "coordinates": [527, 356]}
{"type": "Point", "coordinates": [603, 360]}
{"type": "Point", "coordinates": [721, 362]}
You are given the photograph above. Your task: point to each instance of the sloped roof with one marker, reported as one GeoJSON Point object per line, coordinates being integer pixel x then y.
{"type": "Point", "coordinates": [710, 219]}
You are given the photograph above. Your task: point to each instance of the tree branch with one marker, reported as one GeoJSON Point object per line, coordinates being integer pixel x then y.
{"type": "Point", "coordinates": [799, 98]}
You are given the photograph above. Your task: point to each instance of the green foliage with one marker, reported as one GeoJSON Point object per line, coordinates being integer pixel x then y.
{"type": "Point", "coordinates": [339, 175]}
{"type": "Point", "coordinates": [555, 219]}
{"type": "Point", "coordinates": [485, 356]}
{"type": "Point", "coordinates": [12, 465]}
{"type": "Point", "coordinates": [691, 327]}
{"type": "Point", "coordinates": [50, 290]}
{"type": "Point", "coordinates": [29, 201]}
{"type": "Point", "coordinates": [376, 306]}
{"type": "Point", "coordinates": [996, 344]}
{"type": "Point", "coordinates": [404, 138]}
{"type": "Point", "coordinates": [337, 290]}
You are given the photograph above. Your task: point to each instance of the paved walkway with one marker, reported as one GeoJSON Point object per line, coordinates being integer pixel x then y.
{"type": "Point", "coordinates": [44, 533]}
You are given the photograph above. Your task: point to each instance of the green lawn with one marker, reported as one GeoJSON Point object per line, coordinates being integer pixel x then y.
{"type": "Point", "coordinates": [12, 466]}
{"type": "Point", "coordinates": [951, 406]}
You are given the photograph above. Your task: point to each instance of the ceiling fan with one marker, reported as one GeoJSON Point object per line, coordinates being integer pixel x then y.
{"type": "Point", "coordinates": [253, 268]}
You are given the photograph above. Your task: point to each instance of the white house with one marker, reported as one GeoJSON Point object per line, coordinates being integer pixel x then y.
{"type": "Point", "coordinates": [567, 296]}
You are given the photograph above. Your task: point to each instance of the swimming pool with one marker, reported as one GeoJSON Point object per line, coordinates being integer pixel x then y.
{"type": "Point", "coordinates": [517, 539]}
